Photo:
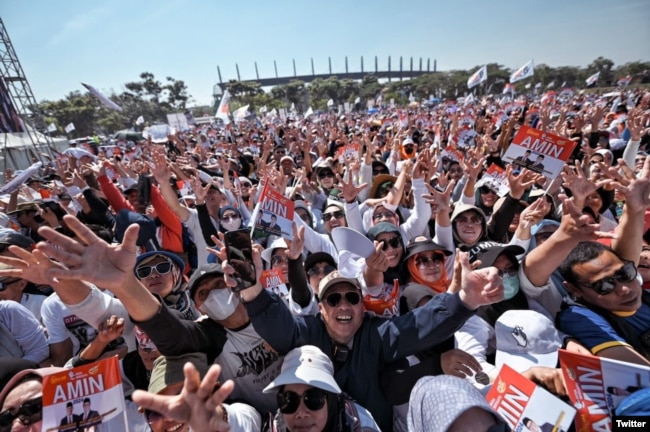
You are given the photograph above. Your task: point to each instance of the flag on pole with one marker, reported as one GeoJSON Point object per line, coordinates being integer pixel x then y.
{"type": "Point", "coordinates": [69, 128]}
{"type": "Point", "coordinates": [293, 108]}
{"type": "Point", "coordinates": [240, 114]}
{"type": "Point", "coordinates": [469, 99]}
{"type": "Point", "coordinates": [330, 103]}
{"type": "Point", "coordinates": [564, 84]}
{"type": "Point", "coordinates": [139, 121]}
{"type": "Point", "coordinates": [223, 111]}
{"type": "Point", "coordinates": [551, 84]}
{"type": "Point", "coordinates": [51, 127]}
{"type": "Point", "coordinates": [99, 95]}
{"type": "Point", "coordinates": [527, 70]}
{"type": "Point", "coordinates": [592, 79]}
{"type": "Point", "coordinates": [509, 88]}
{"type": "Point", "coordinates": [625, 81]}
{"type": "Point", "coordinates": [538, 85]}
{"type": "Point", "coordinates": [309, 112]}
{"type": "Point", "coordinates": [527, 86]}
{"type": "Point", "coordinates": [477, 78]}
{"type": "Point", "coordinates": [357, 100]}
{"type": "Point", "coordinates": [263, 110]}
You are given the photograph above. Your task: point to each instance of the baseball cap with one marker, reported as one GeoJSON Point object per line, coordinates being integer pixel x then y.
{"type": "Point", "coordinates": [423, 244]}
{"type": "Point", "coordinates": [287, 158]}
{"type": "Point", "coordinates": [202, 273]}
{"type": "Point", "coordinates": [488, 252]}
{"type": "Point", "coordinates": [317, 257]}
{"type": "Point", "coordinates": [414, 292]}
{"type": "Point", "coordinates": [438, 401]}
{"type": "Point", "coordinates": [9, 238]}
{"type": "Point", "coordinates": [382, 227]}
{"type": "Point", "coordinates": [306, 365]}
{"type": "Point", "coordinates": [278, 243]}
{"type": "Point", "coordinates": [333, 278]}
{"type": "Point", "coordinates": [526, 338]}
{"type": "Point", "coordinates": [168, 370]}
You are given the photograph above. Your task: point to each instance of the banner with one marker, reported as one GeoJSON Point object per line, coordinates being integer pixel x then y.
{"type": "Point", "coordinates": [526, 406]}
{"type": "Point", "coordinates": [526, 71]}
{"type": "Point", "coordinates": [477, 78]}
{"type": "Point", "coordinates": [593, 79]}
{"type": "Point", "coordinates": [84, 397]}
{"type": "Point", "coordinates": [273, 280]}
{"type": "Point", "coordinates": [541, 152]}
{"type": "Point", "coordinates": [346, 153]}
{"type": "Point", "coordinates": [597, 385]}
{"type": "Point", "coordinates": [178, 121]}
{"type": "Point", "coordinates": [273, 215]}
{"type": "Point", "coordinates": [625, 81]}
{"type": "Point", "coordinates": [69, 128]}
{"type": "Point", "coordinates": [223, 111]}
{"type": "Point", "coordinates": [495, 178]}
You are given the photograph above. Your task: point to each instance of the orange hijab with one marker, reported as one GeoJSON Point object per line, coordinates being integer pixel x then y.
{"type": "Point", "coordinates": [438, 286]}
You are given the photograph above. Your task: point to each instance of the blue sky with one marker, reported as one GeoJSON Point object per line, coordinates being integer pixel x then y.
{"type": "Point", "coordinates": [108, 43]}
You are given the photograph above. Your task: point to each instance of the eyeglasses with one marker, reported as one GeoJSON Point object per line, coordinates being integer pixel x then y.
{"type": "Point", "coordinates": [279, 259]}
{"type": "Point", "coordinates": [281, 151]}
{"type": "Point", "coordinates": [351, 297]}
{"type": "Point", "coordinates": [153, 416]}
{"type": "Point", "coordinates": [324, 271]}
{"type": "Point", "coordinates": [393, 242]}
{"type": "Point", "coordinates": [486, 190]}
{"type": "Point", "coordinates": [28, 413]}
{"type": "Point", "coordinates": [314, 400]}
{"type": "Point", "coordinates": [325, 174]}
{"type": "Point", "coordinates": [383, 215]}
{"type": "Point", "coordinates": [337, 214]}
{"type": "Point", "coordinates": [425, 261]}
{"type": "Point", "coordinates": [474, 220]}
{"type": "Point", "coordinates": [161, 268]}
{"type": "Point", "coordinates": [607, 285]}
{"type": "Point", "coordinates": [230, 218]}
{"type": "Point", "coordinates": [5, 285]}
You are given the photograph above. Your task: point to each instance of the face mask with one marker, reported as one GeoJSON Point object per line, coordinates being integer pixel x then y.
{"type": "Point", "coordinates": [217, 305]}
{"type": "Point", "coordinates": [510, 286]}
{"type": "Point", "coordinates": [231, 225]}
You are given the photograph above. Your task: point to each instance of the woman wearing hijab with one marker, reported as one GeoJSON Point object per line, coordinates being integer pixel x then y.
{"type": "Point", "coordinates": [425, 262]}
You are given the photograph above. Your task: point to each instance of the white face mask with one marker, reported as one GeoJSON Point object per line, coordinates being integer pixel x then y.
{"type": "Point", "coordinates": [231, 224]}
{"type": "Point", "coordinates": [220, 304]}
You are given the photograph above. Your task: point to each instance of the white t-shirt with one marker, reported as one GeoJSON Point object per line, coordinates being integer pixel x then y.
{"type": "Point", "coordinates": [62, 324]}
{"type": "Point", "coordinates": [33, 302]}
{"type": "Point", "coordinates": [194, 227]}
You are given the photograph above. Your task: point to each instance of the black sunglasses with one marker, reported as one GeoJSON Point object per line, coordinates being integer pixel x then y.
{"type": "Point", "coordinates": [607, 285]}
{"type": "Point", "coordinates": [28, 413]}
{"type": "Point", "coordinates": [351, 297]}
{"type": "Point", "coordinates": [289, 401]}
{"type": "Point", "coordinates": [325, 174]}
{"type": "Point", "coordinates": [315, 271]}
{"type": "Point", "coordinates": [393, 242]}
{"type": "Point", "coordinates": [486, 190]}
{"type": "Point", "coordinates": [4, 285]}
{"type": "Point", "coordinates": [145, 270]}
{"type": "Point", "coordinates": [337, 214]}
{"type": "Point", "coordinates": [379, 172]}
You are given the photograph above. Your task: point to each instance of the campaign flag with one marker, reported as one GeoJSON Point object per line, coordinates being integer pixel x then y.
{"type": "Point", "coordinates": [509, 88]}
{"type": "Point", "coordinates": [293, 108]}
{"type": "Point", "coordinates": [139, 121]}
{"type": "Point", "coordinates": [538, 85]}
{"type": "Point", "coordinates": [51, 127]}
{"type": "Point", "coordinates": [309, 112]}
{"type": "Point", "coordinates": [274, 281]}
{"type": "Point", "coordinates": [527, 86]}
{"type": "Point", "coordinates": [240, 114]}
{"type": "Point", "coordinates": [593, 79]}
{"type": "Point", "coordinates": [495, 178]}
{"type": "Point", "coordinates": [520, 402]}
{"type": "Point", "coordinates": [99, 95]}
{"type": "Point", "coordinates": [330, 103]}
{"type": "Point", "coordinates": [625, 81]}
{"type": "Point", "coordinates": [263, 110]}
{"type": "Point", "coordinates": [469, 99]}
{"type": "Point", "coordinates": [357, 100]}
{"type": "Point", "coordinates": [272, 215]}
{"type": "Point", "coordinates": [597, 386]}
{"type": "Point", "coordinates": [347, 107]}
{"type": "Point", "coordinates": [411, 97]}
{"type": "Point", "coordinates": [541, 152]}
{"type": "Point", "coordinates": [551, 85]}
{"type": "Point", "coordinates": [69, 128]}
{"type": "Point", "coordinates": [477, 78]}
{"type": "Point", "coordinates": [99, 383]}
{"type": "Point", "coordinates": [346, 153]}
{"type": "Point", "coordinates": [223, 111]}
{"type": "Point", "coordinates": [526, 71]}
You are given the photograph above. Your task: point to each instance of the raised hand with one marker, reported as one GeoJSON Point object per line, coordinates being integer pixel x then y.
{"type": "Point", "coordinates": [198, 405]}
{"type": "Point", "coordinates": [637, 191]}
{"type": "Point", "coordinates": [90, 258]}
{"type": "Point", "coordinates": [110, 330]}
{"type": "Point", "coordinates": [377, 261]}
{"type": "Point", "coordinates": [349, 190]}
{"type": "Point", "coordinates": [519, 183]}
{"type": "Point", "coordinates": [576, 226]}
{"type": "Point", "coordinates": [458, 363]}
{"type": "Point", "coordinates": [579, 184]}
{"type": "Point", "coordinates": [159, 167]}
{"type": "Point", "coordinates": [31, 266]}
{"type": "Point", "coordinates": [479, 287]}
{"type": "Point", "coordinates": [200, 191]}
{"type": "Point", "coordinates": [297, 245]}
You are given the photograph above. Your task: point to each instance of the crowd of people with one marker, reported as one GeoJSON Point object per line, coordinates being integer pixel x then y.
{"type": "Point", "coordinates": [119, 250]}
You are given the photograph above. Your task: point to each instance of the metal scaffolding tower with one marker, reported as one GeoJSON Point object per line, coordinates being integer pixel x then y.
{"type": "Point", "coordinates": [21, 95]}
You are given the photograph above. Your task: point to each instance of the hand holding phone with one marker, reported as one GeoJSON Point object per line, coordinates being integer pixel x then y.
{"type": "Point", "coordinates": [239, 253]}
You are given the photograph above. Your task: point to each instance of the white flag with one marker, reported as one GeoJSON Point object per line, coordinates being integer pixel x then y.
{"type": "Point", "coordinates": [469, 99]}
{"type": "Point", "coordinates": [477, 78]}
{"type": "Point", "coordinates": [593, 79]}
{"type": "Point", "coordinates": [69, 128]}
{"type": "Point", "coordinates": [527, 86]}
{"type": "Point", "coordinates": [293, 107]}
{"type": "Point", "coordinates": [538, 85]}
{"type": "Point", "coordinates": [223, 111]}
{"type": "Point", "coordinates": [357, 100]}
{"type": "Point", "coordinates": [330, 103]}
{"type": "Point", "coordinates": [523, 72]}
{"type": "Point", "coordinates": [263, 110]}
{"type": "Point", "coordinates": [273, 112]}
{"type": "Point", "coordinates": [51, 127]}
{"type": "Point", "coordinates": [411, 97]}
{"type": "Point", "coordinates": [309, 112]}
{"type": "Point", "coordinates": [99, 95]}
{"type": "Point", "coordinates": [139, 121]}
{"type": "Point", "coordinates": [240, 114]}
{"type": "Point", "coordinates": [551, 84]}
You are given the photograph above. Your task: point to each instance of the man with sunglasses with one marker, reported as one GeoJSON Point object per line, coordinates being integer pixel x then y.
{"type": "Point", "coordinates": [359, 344]}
